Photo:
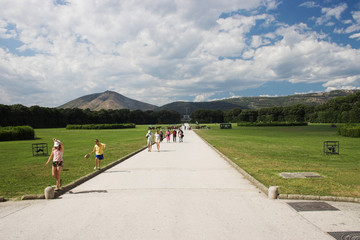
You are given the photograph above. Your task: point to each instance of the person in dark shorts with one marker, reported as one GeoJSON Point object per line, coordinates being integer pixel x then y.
{"type": "Point", "coordinates": [99, 153]}
{"type": "Point", "coordinates": [57, 156]}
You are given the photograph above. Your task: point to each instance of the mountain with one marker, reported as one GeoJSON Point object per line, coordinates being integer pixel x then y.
{"type": "Point", "coordinates": [187, 108]}
{"type": "Point", "coordinates": [107, 100]}
{"type": "Point", "coordinates": [311, 99]}
{"type": "Point", "coordinates": [114, 100]}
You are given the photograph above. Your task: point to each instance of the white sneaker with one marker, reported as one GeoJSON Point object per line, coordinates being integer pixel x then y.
{"type": "Point", "coordinates": [94, 168]}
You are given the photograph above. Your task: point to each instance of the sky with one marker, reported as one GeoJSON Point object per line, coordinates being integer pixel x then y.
{"type": "Point", "coordinates": [158, 52]}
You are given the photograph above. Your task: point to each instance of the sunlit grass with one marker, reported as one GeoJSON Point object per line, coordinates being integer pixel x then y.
{"type": "Point", "coordinates": [264, 152]}
{"type": "Point", "coordinates": [21, 173]}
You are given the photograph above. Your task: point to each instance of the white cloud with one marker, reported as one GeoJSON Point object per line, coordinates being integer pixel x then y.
{"type": "Point", "coordinates": [334, 12]}
{"type": "Point", "coordinates": [329, 13]}
{"type": "Point", "coordinates": [158, 51]}
{"type": "Point", "coordinates": [345, 83]}
{"type": "Point", "coordinates": [355, 26]}
{"type": "Point", "coordinates": [309, 4]}
{"type": "Point", "coordinates": [203, 97]}
{"type": "Point", "coordinates": [302, 93]}
{"type": "Point", "coordinates": [5, 31]}
{"type": "Point", "coordinates": [356, 36]}
{"type": "Point", "coordinates": [267, 95]}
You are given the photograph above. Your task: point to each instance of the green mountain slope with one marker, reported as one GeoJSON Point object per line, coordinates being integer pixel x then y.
{"type": "Point", "coordinates": [311, 99]}
{"type": "Point", "coordinates": [107, 100]}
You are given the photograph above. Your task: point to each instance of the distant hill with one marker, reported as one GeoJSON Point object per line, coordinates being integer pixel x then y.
{"type": "Point", "coordinates": [311, 99]}
{"type": "Point", "coordinates": [114, 100]}
{"type": "Point", "coordinates": [107, 100]}
{"type": "Point", "coordinates": [187, 108]}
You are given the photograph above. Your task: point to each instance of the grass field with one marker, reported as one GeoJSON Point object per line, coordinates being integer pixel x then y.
{"type": "Point", "coordinates": [264, 152]}
{"type": "Point", "coordinates": [21, 173]}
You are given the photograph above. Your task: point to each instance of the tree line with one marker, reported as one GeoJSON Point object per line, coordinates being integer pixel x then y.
{"type": "Point", "coordinates": [337, 110]}
{"type": "Point", "coordinates": [42, 117]}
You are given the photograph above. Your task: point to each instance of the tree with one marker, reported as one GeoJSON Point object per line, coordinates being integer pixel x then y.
{"type": "Point", "coordinates": [208, 116]}
{"type": "Point", "coordinates": [231, 115]}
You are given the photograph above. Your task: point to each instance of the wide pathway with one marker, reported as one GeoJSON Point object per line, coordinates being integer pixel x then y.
{"type": "Point", "coordinates": [185, 191]}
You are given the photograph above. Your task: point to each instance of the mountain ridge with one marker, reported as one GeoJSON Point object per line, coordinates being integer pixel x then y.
{"type": "Point", "coordinates": [113, 100]}
{"type": "Point", "coordinates": [107, 100]}
{"type": "Point", "coordinates": [311, 99]}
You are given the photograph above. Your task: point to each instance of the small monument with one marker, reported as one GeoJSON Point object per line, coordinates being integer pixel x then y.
{"type": "Point", "coordinates": [186, 118]}
{"type": "Point", "coordinates": [331, 147]}
{"type": "Point", "coordinates": [39, 149]}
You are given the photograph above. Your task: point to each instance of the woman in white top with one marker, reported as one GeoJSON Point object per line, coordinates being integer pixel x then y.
{"type": "Point", "coordinates": [157, 140]}
{"type": "Point", "coordinates": [149, 137]}
{"type": "Point", "coordinates": [57, 155]}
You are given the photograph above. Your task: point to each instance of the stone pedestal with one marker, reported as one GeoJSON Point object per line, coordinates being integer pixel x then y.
{"type": "Point", "coordinates": [273, 192]}
{"type": "Point", "coordinates": [49, 192]}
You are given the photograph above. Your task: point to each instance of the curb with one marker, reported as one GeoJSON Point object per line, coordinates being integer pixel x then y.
{"type": "Point", "coordinates": [319, 198]}
{"type": "Point", "coordinates": [265, 190]}
{"type": "Point", "coordinates": [33, 197]}
{"type": "Point", "coordinates": [83, 179]}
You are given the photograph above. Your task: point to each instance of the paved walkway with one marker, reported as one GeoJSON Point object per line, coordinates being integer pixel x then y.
{"type": "Point", "coordinates": [186, 191]}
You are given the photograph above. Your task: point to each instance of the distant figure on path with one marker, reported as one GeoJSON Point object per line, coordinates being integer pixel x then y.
{"type": "Point", "coordinates": [99, 153]}
{"type": "Point", "coordinates": [161, 135]}
{"type": "Point", "coordinates": [174, 135]}
{"type": "Point", "coordinates": [57, 155]}
{"type": "Point", "coordinates": [181, 134]}
{"type": "Point", "coordinates": [168, 135]}
{"type": "Point", "coordinates": [149, 137]}
{"type": "Point", "coordinates": [157, 140]}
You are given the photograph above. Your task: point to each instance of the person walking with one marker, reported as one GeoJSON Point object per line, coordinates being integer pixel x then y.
{"type": "Point", "coordinates": [149, 137]}
{"type": "Point", "coordinates": [57, 156]}
{"type": "Point", "coordinates": [157, 140]}
{"type": "Point", "coordinates": [180, 134]}
{"type": "Point", "coordinates": [161, 135]}
{"type": "Point", "coordinates": [174, 135]}
{"type": "Point", "coordinates": [168, 136]}
{"type": "Point", "coordinates": [99, 153]}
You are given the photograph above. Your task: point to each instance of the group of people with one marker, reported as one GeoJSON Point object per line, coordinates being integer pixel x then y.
{"type": "Point", "coordinates": [57, 157]}
{"type": "Point", "coordinates": [158, 137]}
{"type": "Point", "coordinates": [58, 150]}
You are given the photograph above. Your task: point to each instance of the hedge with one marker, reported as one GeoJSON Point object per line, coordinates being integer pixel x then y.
{"type": "Point", "coordinates": [101, 126]}
{"type": "Point", "coordinates": [349, 130]}
{"type": "Point", "coordinates": [270, 124]}
{"type": "Point", "coordinates": [16, 133]}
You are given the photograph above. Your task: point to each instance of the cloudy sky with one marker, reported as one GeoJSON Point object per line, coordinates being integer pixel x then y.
{"type": "Point", "coordinates": [160, 51]}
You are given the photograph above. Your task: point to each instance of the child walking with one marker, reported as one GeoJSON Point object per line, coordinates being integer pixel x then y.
{"type": "Point", "coordinates": [99, 153]}
{"type": "Point", "coordinates": [57, 155]}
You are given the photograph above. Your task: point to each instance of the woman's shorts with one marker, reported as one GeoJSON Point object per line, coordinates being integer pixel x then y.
{"type": "Point", "coordinates": [100, 157]}
{"type": "Point", "coordinates": [58, 164]}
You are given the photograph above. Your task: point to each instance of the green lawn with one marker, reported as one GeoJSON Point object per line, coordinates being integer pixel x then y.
{"type": "Point", "coordinates": [21, 173]}
{"type": "Point", "coordinates": [264, 152]}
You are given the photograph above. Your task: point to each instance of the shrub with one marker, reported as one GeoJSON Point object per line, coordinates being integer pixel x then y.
{"type": "Point", "coordinates": [16, 133]}
{"type": "Point", "coordinates": [101, 126]}
{"type": "Point", "coordinates": [270, 124]}
{"type": "Point", "coordinates": [349, 130]}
